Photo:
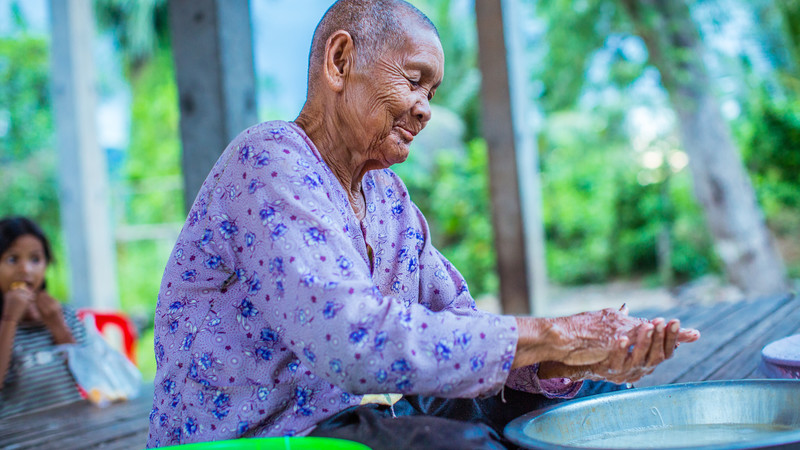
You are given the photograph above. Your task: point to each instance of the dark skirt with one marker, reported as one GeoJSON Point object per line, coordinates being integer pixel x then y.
{"type": "Point", "coordinates": [436, 423]}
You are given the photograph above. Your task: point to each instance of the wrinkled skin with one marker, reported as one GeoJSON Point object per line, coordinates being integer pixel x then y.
{"type": "Point", "coordinates": [364, 117]}
{"type": "Point", "coordinates": [624, 366]}
{"type": "Point", "coordinates": [600, 345]}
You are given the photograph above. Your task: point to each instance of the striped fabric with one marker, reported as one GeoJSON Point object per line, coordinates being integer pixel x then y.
{"type": "Point", "coordinates": [38, 377]}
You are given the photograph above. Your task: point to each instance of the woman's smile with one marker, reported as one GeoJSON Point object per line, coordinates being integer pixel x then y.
{"type": "Point", "coordinates": [405, 134]}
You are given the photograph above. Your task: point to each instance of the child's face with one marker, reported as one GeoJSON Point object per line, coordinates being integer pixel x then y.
{"type": "Point", "coordinates": [23, 262]}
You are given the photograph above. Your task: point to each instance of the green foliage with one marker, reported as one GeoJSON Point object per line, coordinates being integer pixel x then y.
{"type": "Point", "coordinates": [137, 26]}
{"type": "Point", "coordinates": [639, 220]}
{"type": "Point", "coordinates": [693, 252]}
{"type": "Point", "coordinates": [577, 198]}
{"type": "Point", "coordinates": [145, 357]}
{"type": "Point", "coordinates": [25, 119]}
{"type": "Point", "coordinates": [153, 166]}
{"type": "Point", "coordinates": [601, 221]}
{"type": "Point", "coordinates": [28, 181]}
{"type": "Point", "coordinates": [769, 133]}
{"type": "Point", "coordinates": [460, 87]}
{"type": "Point", "coordinates": [453, 195]}
{"type": "Point", "coordinates": [153, 193]}
{"type": "Point", "coordinates": [790, 15]}
{"type": "Point", "coordinates": [575, 31]}
{"type": "Point", "coordinates": [141, 265]}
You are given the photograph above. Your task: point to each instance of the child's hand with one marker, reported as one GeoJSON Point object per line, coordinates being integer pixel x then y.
{"type": "Point", "coordinates": [17, 301]}
{"type": "Point", "coordinates": [48, 308]}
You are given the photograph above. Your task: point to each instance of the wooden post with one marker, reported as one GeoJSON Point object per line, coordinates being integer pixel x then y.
{"type": "Point", "coordinates": [513, 163]}
{"type": "Point", "coordinates": [83, 172]}
{"type": "Point", "coordinates": [213, 53]}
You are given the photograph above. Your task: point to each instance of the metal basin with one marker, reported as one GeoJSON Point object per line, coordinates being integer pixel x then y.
{"type": "Point", "coordinates": [707, 415]}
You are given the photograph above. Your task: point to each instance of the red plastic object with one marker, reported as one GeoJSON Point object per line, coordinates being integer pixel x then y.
{"type": "Point", "coordinates": [102, 319]}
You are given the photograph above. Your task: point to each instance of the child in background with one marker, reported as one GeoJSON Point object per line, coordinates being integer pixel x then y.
{"type": "Point", "coordinates": [30, 318]}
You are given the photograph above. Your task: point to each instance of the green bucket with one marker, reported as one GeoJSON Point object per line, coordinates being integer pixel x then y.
{"type": "Point", "coordinates": [274, 443]}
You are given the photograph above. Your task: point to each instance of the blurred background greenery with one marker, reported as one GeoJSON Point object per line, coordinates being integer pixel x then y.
{"type": "Point", "coordinates": [618, 203]}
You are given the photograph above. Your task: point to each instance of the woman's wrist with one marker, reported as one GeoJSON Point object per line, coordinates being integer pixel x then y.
{"type": "Point", "coordinates": [540, 339]}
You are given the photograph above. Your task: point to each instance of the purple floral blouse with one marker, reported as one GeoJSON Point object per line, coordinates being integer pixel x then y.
{"type": "Point", "coordinates": [279, 308]}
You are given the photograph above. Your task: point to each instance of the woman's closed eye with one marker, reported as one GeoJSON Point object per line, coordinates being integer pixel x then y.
{"type": "Point", "coordinates": [417, 83]}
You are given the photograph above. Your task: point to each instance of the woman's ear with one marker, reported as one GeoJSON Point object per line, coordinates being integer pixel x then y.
{"type": "Point", "coordinates": [339, 59]}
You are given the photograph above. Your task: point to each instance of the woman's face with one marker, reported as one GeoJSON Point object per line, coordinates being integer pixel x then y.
{"type": "Point", "coordinates": [389, 101]}
{"type": "Point", "coordinates": [25, 262]}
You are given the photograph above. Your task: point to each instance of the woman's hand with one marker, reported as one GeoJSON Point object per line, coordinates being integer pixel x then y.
{"type": "Point", "coordinates": [652, 346]}
{"type": "Point", "coordinates": [590, 337]}
{"type": "Point", "coordinates": [600, 344]}
{"type": "Point", "coordinates": [580, 339]}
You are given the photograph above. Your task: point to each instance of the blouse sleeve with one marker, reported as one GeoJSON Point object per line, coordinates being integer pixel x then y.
{"type": "Point", "coordinates": [276, 225]}
{"type": "Point", "coordinates": [526, 379]}
{"type": "Point", "coordinates": [436, 270]}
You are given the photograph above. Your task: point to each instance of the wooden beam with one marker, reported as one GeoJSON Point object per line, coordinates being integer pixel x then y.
{"type": "Point", "coordinates": [513, 163]}
{"type": "Point", "coordinates": [213, 53]}
{"type": "Point", "coordinates": [83, 170]}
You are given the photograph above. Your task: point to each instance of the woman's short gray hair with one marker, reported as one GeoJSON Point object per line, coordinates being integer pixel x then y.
{"type": "Point", "coordinates": [373, 24]}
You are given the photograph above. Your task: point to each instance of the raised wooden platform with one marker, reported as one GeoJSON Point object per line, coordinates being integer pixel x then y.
{"type": "Point", "coordinates": [81, 425]}
{"type": "Point", "coordinates": [733, 335]}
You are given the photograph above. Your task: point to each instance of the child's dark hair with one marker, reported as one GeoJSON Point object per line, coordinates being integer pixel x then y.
{"type": "Point", "coordinates": [12, 228]}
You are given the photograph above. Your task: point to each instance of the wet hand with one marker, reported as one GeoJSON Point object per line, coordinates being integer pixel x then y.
{"type": "Point", "coordinates": [591, 337]}
{"type": "Point", "coordinates": [600, 338]}
{"type": "Point", "coordinates": [654, 343]}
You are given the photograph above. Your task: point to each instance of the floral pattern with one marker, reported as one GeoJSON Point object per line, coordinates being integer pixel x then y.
{"type": "Point", "coordinates": [279, 308]}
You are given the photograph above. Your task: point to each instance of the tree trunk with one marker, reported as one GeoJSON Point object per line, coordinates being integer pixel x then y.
{"type": "Point", "coordinates": [721, 185]}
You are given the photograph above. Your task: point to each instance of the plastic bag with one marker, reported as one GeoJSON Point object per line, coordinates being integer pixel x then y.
{"type": "Point", "coordinates": [104, 373]}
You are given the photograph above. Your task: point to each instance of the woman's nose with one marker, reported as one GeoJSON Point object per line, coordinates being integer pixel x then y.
{"type": "Point", "coordinates": [422, 110]}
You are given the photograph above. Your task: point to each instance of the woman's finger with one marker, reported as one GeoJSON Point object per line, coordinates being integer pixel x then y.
{"type": "Point", "coordinates": [638, 354]}
{"type": "Point", "coordinates": [671, 341]}
{"type": "Point", "coordinates": [688, 335]}
{"type": "Point", "coordinates": [615, 364]}
{"type": "Point", "coordinates": [656, 354]}
{"type": "Point", "coordinates": [617, 360]}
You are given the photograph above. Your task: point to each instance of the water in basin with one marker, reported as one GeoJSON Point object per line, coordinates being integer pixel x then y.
{"type": "Point", "coordinates": [681, 436]}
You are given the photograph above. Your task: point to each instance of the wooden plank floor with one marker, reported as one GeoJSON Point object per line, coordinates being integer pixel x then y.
{"type": "Point", "coordinates": [81, 425]}
{"type": "Point", "coordinates": [733, 335]}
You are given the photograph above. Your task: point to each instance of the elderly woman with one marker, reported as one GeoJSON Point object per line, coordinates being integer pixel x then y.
{"type": "Point", "coordinates": [305, 278]}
